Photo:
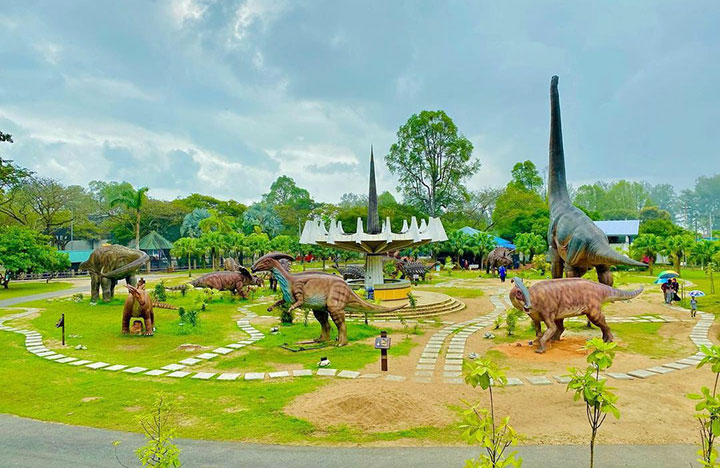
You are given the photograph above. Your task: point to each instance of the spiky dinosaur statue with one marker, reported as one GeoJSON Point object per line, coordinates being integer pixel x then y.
{"type": "Point", "coordinates": [552, 301]}
{"type": "Point", "coordinates": [323, 293]}
{"type": "Point", "coordinates": [576, 243]}
{"type": "Point", "coordinates": [350, 271]}
{"type": "Point", "coordinates": [109, 264]}
{"type": "Point", "coordinates": [233, 281]}
{"type": "Point", "coordinates": [410, 269]}
{"type": "Point", "coordinates": [500, 256]}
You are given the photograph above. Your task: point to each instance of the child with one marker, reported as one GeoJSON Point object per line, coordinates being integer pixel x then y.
{"type": "Point", "coordinates": [693, 306]}
{"type": "Point", "coordinates": [503, 273]}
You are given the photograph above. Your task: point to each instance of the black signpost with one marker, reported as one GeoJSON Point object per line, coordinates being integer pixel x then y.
{"type": "Point", "coordinates": [383, 344]}
{"type": "Point", "coordinates": [61, 324]}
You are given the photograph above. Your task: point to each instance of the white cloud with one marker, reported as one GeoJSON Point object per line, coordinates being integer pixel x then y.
{"type": "Point", "coordinates": [183, 11]}
{"type": "Point", "coordinates": [50, 51]}
{"type": "Point", "coordinates": [251, 12]}
{"type": "Point", "coordinates": [107, 87]}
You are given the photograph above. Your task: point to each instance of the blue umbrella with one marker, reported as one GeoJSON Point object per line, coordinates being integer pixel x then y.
{"type": "Point", "coordinates": [696, 293]}
{"type": "Point", "coordinates": [661, 280]}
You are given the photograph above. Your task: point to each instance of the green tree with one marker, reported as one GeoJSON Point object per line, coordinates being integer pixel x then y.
{"type": "Point", "coordinates": [676, 247]}
{"type": "Point", "coordinates": [480, 244]}
{"type": "Point", "coordinates": [458, 243]}
{"type": "Point", "coordinates": [262, 216]}
{"type": "Point", "coordinates": [599, 400]}
{"type": "Point", "coordinates": [216, 222]}
{"type": "Point", "coordinates": [529, 244]}
{"type": "Point", "coordinates": [647, 245]}
{"type": "Point", "coordinates": [517, 211]}
{"type": "Point", "coordinates": [257, 243]}
{"type": "Point", "coordinates": [526, 176]}
{"type": "Point", "coordinates": [186, 247]}
{"type": "Point", "coordinates": [480, 426]}
{"type": "Point", "coordinates": [191, 222]}
{"type": "Point", "coordinates": [703, 253]}
{"type": "Point", "coordinates": [285, 244]}
{"type": "Point", "coordinates": [133, 200]}
{"type": "Point", "coordinates": [431, 159]}
{"type": "Point", "coordinates": [24, 250]}
{"type": "Point", "coordinates": [214, 243]}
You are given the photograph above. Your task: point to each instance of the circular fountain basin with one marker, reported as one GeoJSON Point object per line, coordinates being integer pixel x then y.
{"type": "Point", "coordinates": [391, 289]}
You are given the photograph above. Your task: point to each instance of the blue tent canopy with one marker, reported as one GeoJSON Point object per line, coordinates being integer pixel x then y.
{"type": "Point", "coordinates": [499, 241]}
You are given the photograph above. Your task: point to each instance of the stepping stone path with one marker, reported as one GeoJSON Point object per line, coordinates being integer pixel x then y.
{"type": "Point", "coordinates": [458, 333]}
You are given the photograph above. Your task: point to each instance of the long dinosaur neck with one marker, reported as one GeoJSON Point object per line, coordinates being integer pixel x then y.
{"type": "Point", "coordinates": [283, 279]}
{"type": "Point", "coordinates": [557, 181]}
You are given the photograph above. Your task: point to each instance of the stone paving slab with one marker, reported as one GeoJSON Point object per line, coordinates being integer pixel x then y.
{"type": "Point", "coordinates": [236, 345]}
{"type": "Point", "coordinates": [427, 361]}
{"type": "Point", "coordinates": [563, 379]}
{"type": "Point", "coordinates": [97, 365]}
{"type": "Point", "coordinates": [452, 374]}
{"type": "Point", "coordinates": [190, 361]}
{"type": "Point", "coordinates": [65, 360]}
{"type": "Point", "coordinates": [539, 380]}
{"type": "Point", "coordinates": [178, 374]}
{"type": "Point", "coordinates": [135, 370]}
{"type": "Point", "coordinates": [81, 362]}
{"type": "Point", "coordinates": [325, 372]}
{"type": "Point", "coordinates": [206, 356]}
{"type": "Point", "coordinates": [424, 373]}
{"type": "Point", "coordinates": [38, 349]}
{"type": "Point", "coordinates": [302, 373]}
{"type": "Point", "coordinates": [660, 370]}
{"type": "Point", "coordinates": [676, 366]}
{"type": "Point", "coordinates": [426, 366]}
{"type": "Point", "coordinates": [278, 374]}
{"type": "Point", "coordinates": [689, 362]}
{"type": "Point", "coordinates": [454, 381]}
{"type": "Point", "coordinates": [641, 373]}
{"type": "Point", "coordinates": [173, 367]}
{"type": "Point", "coordinates": [454, 362]}
{"type": "Point", "coordinates": [228, 376]}
{"type": "Point", "coordinates": [115, 367]}
{"type": "Point", "coordinates": [222, 350]}
{"type": "Point", "coordinates": [369, 376]}
{"type": "Point", "coordinates": [395, 378]}
{"type": "Point", "coordinates": [348, 374]}
{"type": "Point", "coordinates": [453, 368]}
{"type": "Point", "coordinates": [512, 381]}
{"type": "Point", "coordinates": [54, 357]}
{"type": "Point", "coordinates": [156, 372]}
{"type": "Point", "coordinates": [619, 375]}
{"type": "Point", "coordinates": [454, 356]}
{"type": "Point", "coordinates": [203, 375]}
{"type": "Point", "coordinates": [255, 376]}
{"type": "Point", "coordinates": [45, 353]}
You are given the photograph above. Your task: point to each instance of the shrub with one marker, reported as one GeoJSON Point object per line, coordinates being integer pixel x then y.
{"type": "Point", "coordinates": [160, 292]}
{"type": "Point", "coordinates": [511, 320]}
{"type": "Point", "coordinates": [708, 408]}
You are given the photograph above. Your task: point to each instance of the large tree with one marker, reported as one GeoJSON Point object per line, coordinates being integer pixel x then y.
{"type": "Point", "coordinates": [647, 246]}
{"type": "Point", "coordinates": [431, 160]}
{"type": "Point", "coordinates": [517, 211]}
{"type": "Point", "coordinates": [24, 250]}
{"type": "Point", "coordinates": [525, 175]}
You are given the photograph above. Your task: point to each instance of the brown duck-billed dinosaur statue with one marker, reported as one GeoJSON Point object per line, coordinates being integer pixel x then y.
{"type": "Point", "coordinates": [552, 301]}
{"type": "Point", "coordinates": [576, 243]}
{"type": "Point", "coordinates": [139, 304]}
{"type": "Point", "coordinates": [323, 293]}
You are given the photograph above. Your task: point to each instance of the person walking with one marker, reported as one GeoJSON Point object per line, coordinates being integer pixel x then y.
{"type": "Point", "coordinates": [667, 292]}
{"type": "Point", "coordinates": [693, 306]}
{"type": "Point", "coordinates": [502, 271]}
{"type": "Point", "coordinates": [675, 286]}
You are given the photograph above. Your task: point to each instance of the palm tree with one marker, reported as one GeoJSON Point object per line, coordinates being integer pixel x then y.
{"type": "Point", "coordinates": [132, 200]}
{"type": "Point", "coordinates": [703, 252]}
{"type": "Point", "coordinates": [676, 247]}
{"type": "Point", "coordinates": [216, 222]}
{"type": "Point", "coordinates": [458, 243]}
{"type": "Point", "coordinates": [186, 247]}
{"type": "Point", "coordinates": [481, 243]}
{"type": "Point", "coordinates": [529, 244]}
{"type": "Point", "coordinates": [647, 245]}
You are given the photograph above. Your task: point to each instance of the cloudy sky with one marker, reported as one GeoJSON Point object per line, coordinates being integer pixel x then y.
{"type": "Point", "coordinates": [221, 97]}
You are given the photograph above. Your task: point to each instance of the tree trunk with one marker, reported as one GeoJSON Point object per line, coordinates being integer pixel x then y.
{"type": "Point", "coordinates": [189, 267]}
{"type": "Point", "coordinates": [650, 266]}
{"type": "Point", "coordinates": [137, 230]}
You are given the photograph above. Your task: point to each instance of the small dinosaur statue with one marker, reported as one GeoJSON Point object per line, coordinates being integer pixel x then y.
{"type": "Point", "coordinates": [410, 269]}
{"type": "Point", "coordinates": [350, 271]}
{"type": "Point", "coordinates": [233, 281]}
{"type": "Point", "coordinates": [576, 243]}
{"type": "Point", "coordinates": [323, 293]}
{"type": "Point", "coordinates": [552, 301]}
{"type": "Point", "coordinates": [139, 304]}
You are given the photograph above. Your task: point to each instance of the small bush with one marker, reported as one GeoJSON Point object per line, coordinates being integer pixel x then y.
{"type": "Point", "coordinates": [160, 292]}
{"type": "Point", "coordinates": [511, 321]}
{"type": "Point", "coordinates": [286, 316]}
{"type": "Point", "coordinates": [188, 316]}
{"type": "Point", "coordinates": [412, 300]}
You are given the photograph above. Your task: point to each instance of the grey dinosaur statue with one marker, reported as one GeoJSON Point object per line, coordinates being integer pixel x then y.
{"type": "Point", "coordinates": [500, 256]}
{"type": "Point", "coordinates": [576, 243]}
{"type": "Point", "coordinates": [109, 264]}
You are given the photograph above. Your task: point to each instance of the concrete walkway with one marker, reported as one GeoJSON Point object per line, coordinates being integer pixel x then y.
{"type": "Point", "coordinates": [25, 442]}
{"type": "Point", "coordinates": [41, 296]}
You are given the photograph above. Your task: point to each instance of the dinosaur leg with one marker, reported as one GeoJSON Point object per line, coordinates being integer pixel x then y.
{"type": "Point", "coordinates": [106, 284]}
{"type": "Point", "coordinates": [152, 320]}
{"type": "Point", "coordinates": [126, 322]}
{"type": "Point", "coordinates": [148, 325]}
{"type": "Point", "coordinates": [113, 283]}
{"type": "Point", "coordinates": [598, 319]}
{"type": "Point", "coordinates": [538, 330]}
{"type": "Point", "coordinates": [322, 317]}
{"type": "Point", "coordinates": [94, 287]}
{"type": "Point", "coordinates": [576, 272]}
{"type": "Point", "coordinates": [556, 264]}
{"type": "Point", "coordinates": [560, 329]}
{"type": "Point", "coordinates": [131, 280]}
{"type": "Point", "coordinates": [281, 301]}
{"type": "Point", "coordinates": [338, 317]}
{"type": "Point", "coordinates": [604, 274]}
{"type": "Point", "coordinates": [549, 333]}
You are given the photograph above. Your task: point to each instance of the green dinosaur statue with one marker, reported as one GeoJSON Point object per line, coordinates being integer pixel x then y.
{"type": "Point", "coordinates": [576, 243]}
{"type": "Point", "coordinates": [109, 264]}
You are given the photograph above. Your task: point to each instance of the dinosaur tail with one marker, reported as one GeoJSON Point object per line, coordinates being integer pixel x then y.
{"type": "Point", "coordinates": [124, 270]}
{"type": "Point", "coordinates": [358, 304]}
{"type": "Point", "coordinates": [162, 305]}
{"type": "Point", "coordinates": [620, 295]}
{"type": "Point", "coordinates": [610, 256]}
{"type": "Point", "coordinates": [557, 181]}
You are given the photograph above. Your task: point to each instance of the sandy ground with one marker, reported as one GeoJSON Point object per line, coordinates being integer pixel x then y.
{"type": "Point", "coordinates": [653, 411]}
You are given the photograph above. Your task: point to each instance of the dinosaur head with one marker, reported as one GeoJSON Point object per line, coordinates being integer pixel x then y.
{"type": "Point", "coordinates": [268, 261]}
{"type": "Point", "coordinates": [137, 293]}
{"type": "Point", "coordinates": [520, 296]}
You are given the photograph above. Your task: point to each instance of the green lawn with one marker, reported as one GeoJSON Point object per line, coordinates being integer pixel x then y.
{"type": "Point", "coordinates": [24, 288]}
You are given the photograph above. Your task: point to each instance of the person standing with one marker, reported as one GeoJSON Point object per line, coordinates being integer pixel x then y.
{"type": "Point", "coordinates": [502, 271]}
{"type": "Point", "coordinates": [667, 292]}
{"type": "Point", "coordinates": [675, 286]}
{"type": "Point", "coordinates": [693, 306]}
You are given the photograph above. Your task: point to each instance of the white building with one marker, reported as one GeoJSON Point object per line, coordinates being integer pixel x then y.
{"type": "Point", "coordinates": [620, 233]}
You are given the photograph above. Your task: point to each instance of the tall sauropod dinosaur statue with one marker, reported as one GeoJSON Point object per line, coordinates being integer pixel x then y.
{"type": "Point", "coordinates": [109, 264]}
{"type": "Point", "coordinates": [576, 243]}
{"type": "Point", "coordinates": [323, 293]}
